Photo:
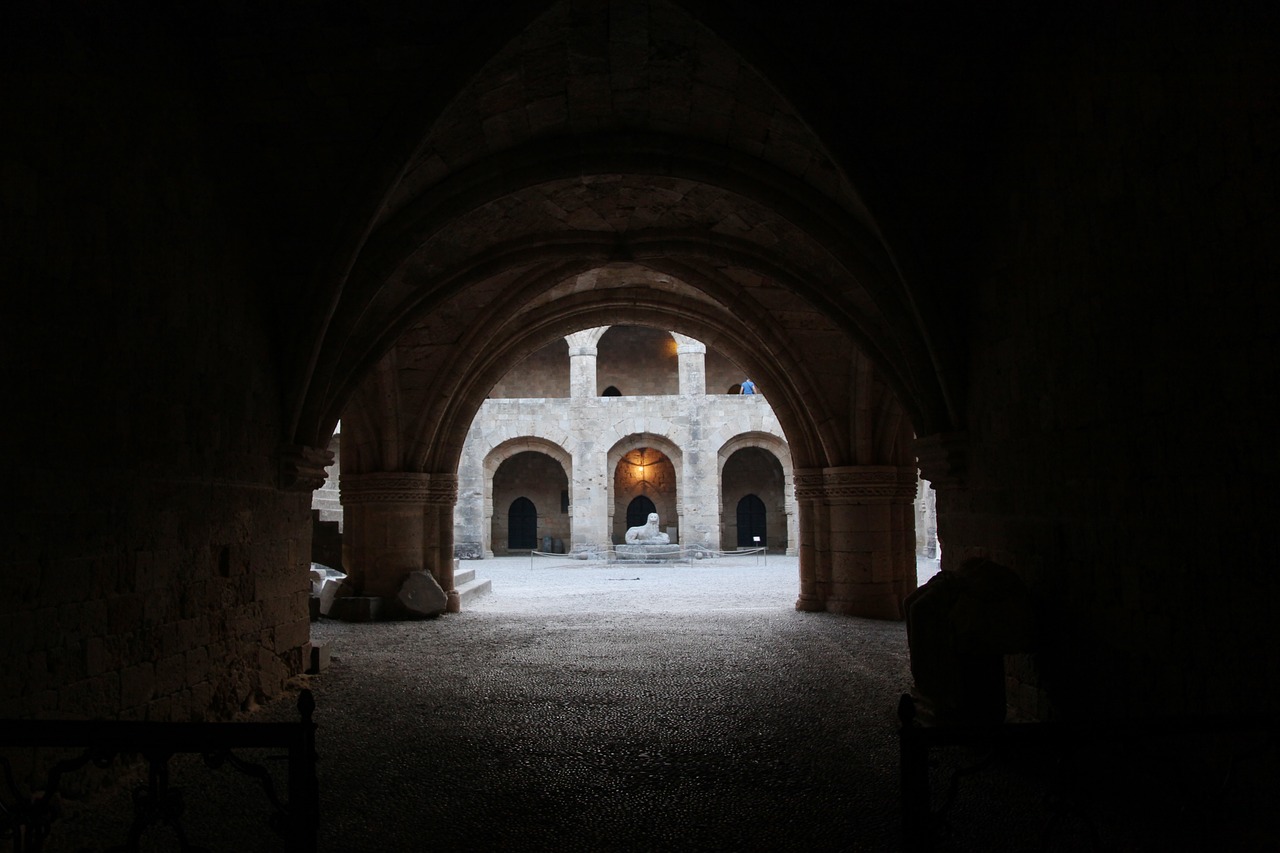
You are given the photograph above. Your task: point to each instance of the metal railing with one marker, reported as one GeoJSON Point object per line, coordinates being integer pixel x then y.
{"type": "Point", "coordinates": [674, 555]}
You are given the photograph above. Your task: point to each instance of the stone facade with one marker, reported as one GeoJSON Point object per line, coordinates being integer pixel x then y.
{"type": "Point", "coordinates": [705, 452]}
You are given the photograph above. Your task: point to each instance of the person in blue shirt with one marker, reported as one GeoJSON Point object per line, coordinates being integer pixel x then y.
{"type": "Point", "coordinates": [748, 387]}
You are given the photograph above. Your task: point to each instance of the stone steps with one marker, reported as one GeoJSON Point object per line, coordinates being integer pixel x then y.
{"type": "Point", "coordinates": [464, 581]}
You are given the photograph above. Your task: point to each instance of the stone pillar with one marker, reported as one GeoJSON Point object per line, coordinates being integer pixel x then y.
{"type": "Point", "coordinates": [812, 539]}
{"type": "Point", "coordinates": [582, 362]}
{"type": "Point", "coordinates": [384, 535]}
{"type": "Point", "coordinates": [441, 496]}
{"type": "Point", "coordinates": [943, 459]}
{"type": "Point", "coordinates": [863, 560]}
{"type": "Point", "coordinates": [590, 495]}
{"type": "Point", "coordinates": [692, 356]}
{"type": "Point", "coordinates": [302, 468]}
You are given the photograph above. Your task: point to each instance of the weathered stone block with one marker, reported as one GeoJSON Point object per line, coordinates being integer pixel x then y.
{"type": "Point", "coordinates": [318, 658]}
{"type": "Point", "coordinates": [422, 595]}
{"type": "Point", "coordinates": [137, 684]}
{"type": "Point", "coordinates": [170, 675]}
{"type": "Point", "coordinates": [333, 590]}
{"type": "Point", "coordinates": [197, 661]}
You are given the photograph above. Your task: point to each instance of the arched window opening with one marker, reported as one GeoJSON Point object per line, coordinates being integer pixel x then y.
{"type": "Point", "coordinates": [735, 388]}
{"type": "Point", "coordinates": [641, 358]}
{"type": "Point", "coordinates": [611, 391]}
{"type": "Point", "coordinates": [752, 529]}
{"type": "Point", "coordinates": [638, 511]}
{"type": "Point", "coordinates": [522, 525]}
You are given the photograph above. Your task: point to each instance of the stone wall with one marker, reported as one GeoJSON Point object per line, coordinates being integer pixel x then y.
{"type": "Point", "coordinates": [545, 373]}
{"type": "Point", "coordinates": [638, 361]}
{"type": "Point", "coordinates": [1115, 379]}
{"type": "Point", "coordinates": [586, 430]}
{"type": "Point", "coordinates": [150, 567]}
{"type": "Point", "coordinates": [722, 374]}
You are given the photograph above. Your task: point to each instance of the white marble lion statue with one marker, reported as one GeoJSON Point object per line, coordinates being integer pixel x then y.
{"type": "Point", "coordinates": [648, 533]}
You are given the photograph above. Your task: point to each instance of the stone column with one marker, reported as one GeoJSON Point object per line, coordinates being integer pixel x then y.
{"type": "Point", "coordinates": [812, 538]}
{"type": "Point", "coordinates": [441, 496]}
{"type": "Point", "coordinates": [863, 560]}
{"type": "Point", "coordinates": [692, 356]}
{"type": "Point", "coordinates": [943, 459]}
{"type": "Point", "coordinates": [384, 531]}
{"type": "Point", "coordinates": [582, 362]}
{"type": "Point", "coordinates": [589, 504]}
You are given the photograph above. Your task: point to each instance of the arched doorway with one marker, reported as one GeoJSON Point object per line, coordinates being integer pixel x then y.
{"type": "Point", "coordinates": [753, 489]}
{"type": "Point", "coordinates": [773, 259]}
{"type": "Point", "coordinates": [522, 525]}
{"type": "Point", "coordinates": [528, 490]}
{"type": "Point", "coordinates": [638, 511]}
{"type": "Point", "coordinates": [752, 527]}
{"type": "Point", "coordinates": [644, 473]}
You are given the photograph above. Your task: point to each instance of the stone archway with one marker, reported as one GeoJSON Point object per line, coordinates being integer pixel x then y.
{"type": "Point", "coordinates": [752, 473]}
{"type": "Point", "coordinates": [539, 483]}
{"type": "Point", "coordinates": [643, 475]}
{"type": "Point", "coordinates": [494, 500]}
{"type": "Point", "coordinates": [786, 513]}
{"type": "Point", "coordinates": [766, 254]}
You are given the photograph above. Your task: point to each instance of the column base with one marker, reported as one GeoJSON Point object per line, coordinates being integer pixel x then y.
{"type": "Point", "coordinates": [809, 604]}
{"type": "Point", "coordinates": [453, 602]}
{"type": "Point", "coordinates": [877, 606]}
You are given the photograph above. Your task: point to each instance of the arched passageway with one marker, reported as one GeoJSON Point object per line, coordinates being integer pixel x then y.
{"type": "Point", "coordinates": [753, 492]}
{"type": "Point", "coordinates": [534, 486]}
{"type": "Point", "coordinates": [752, 522]}
{"type": "Point", "coordinates": [765, 254]}
{"type": "Point", "coordinates": [644, 477]}
{"type": "Point", "coordinates": [275, 219]}
{"type": "Point", "coordinates": [522, 525]}
{"type": "Point", "coordinates": [639, 509]}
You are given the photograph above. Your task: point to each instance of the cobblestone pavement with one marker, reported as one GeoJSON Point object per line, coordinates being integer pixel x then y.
{"type": "Point", "coordinates": [637, 708]}
{"type": "Point", "coordinates": [619, 708]}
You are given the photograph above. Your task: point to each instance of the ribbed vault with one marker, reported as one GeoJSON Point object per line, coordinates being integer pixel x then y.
{"type": "Point", "coordinates": [657, 146]}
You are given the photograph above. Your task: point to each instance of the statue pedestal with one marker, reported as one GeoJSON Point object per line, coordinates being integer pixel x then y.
{"type": "Point", "coordinates": [647, 553]}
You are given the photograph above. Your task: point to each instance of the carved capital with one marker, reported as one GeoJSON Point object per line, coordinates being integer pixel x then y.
{"type": "Point", "coordinates": [383, 487]}
{"type": "Point", "coordinates": [398, 487]}
{"type": "Point", "coordinates": [870, 481]}
{"type": "Point", "coordinates": [443, 489]}
{"type": "Point", "coordinates": [302, 468]}
{"type": "Point", "coordinates": [943, 458]}
{"type": "Point", "coordinates": [809, 484]}
{"type": "Point", "coordinates": [856, 483]}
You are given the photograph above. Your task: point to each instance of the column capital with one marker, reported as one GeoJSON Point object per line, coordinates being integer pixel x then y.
{"type": "Point", "coordinates": [302, 468]}
{"type": "Point", "coordinates": [856, 482]}
{"type": "Point", "coordinates": [398, 487]}
{"type": "Point", "coordinates": [443, 490]}
{"type": "Point", "coordinates": [584, 342]}
{"type": "Point", "coordinates": [384, 487]}
{"type": "Point", "coordinates": [943, 458]}
{"type": "Point", "coordinates": [687, 345]}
